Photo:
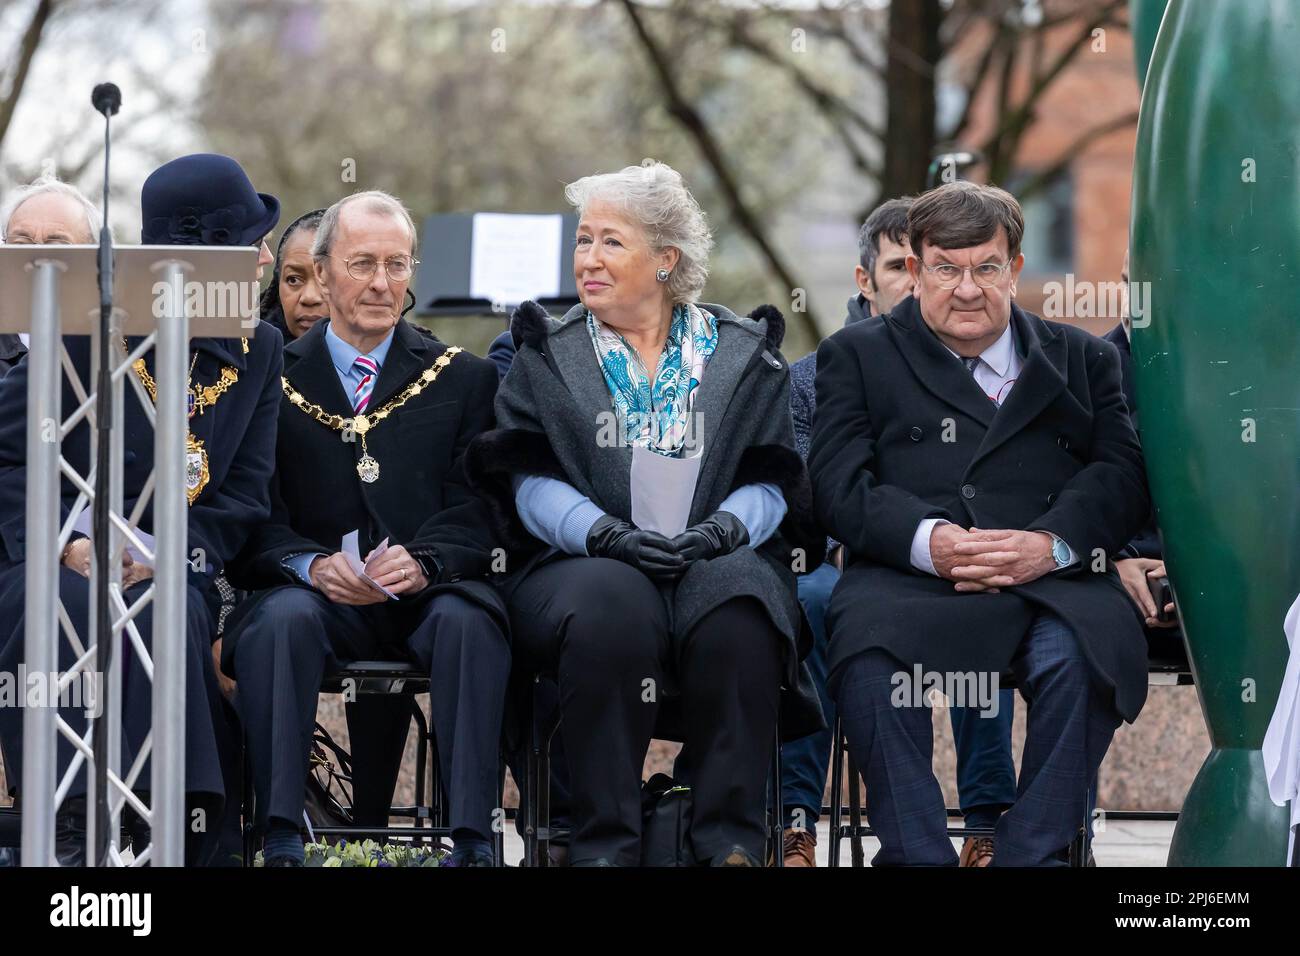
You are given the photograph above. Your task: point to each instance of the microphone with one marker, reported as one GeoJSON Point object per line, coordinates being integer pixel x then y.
{"type": "Point", "coordinates": [106, 98]}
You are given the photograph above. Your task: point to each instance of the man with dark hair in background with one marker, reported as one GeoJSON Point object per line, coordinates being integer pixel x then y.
{"type": "Point", "coordinates": [882, 280]}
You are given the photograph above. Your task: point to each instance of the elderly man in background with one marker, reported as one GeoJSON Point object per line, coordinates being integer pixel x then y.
{"type": "Point", "coordinates": [47, 211]}
{"type": "Point", "coordinates": [979, 465]}
{"type": "Point", "coordinates": [373, 425]}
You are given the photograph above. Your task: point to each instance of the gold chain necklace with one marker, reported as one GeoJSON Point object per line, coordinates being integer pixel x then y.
{"type": "Point", "coordinates": [200, 397]}
{"type": "Point", "coordinates": [196, 456]}
{"type": "Point", "coordinates": [367, 467]}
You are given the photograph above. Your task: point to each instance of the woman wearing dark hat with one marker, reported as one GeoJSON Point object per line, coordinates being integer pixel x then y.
{"type": "Point", "coordinates": [642, 375]}
{"type": "Point", "coordinates": [235, 395]}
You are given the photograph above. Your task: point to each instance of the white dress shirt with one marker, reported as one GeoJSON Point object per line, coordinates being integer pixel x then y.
{"type": "Point", "coordinates": [996, 372]}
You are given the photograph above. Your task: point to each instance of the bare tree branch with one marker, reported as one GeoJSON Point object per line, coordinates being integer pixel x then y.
{"type": "Point", "coordinates": [1071, 152]}
{"type": "Point", "coordinates": [976, 83]}
{"type": "Point", "coordinates": [832, 23]}
{"type": "Point", "coordinates": [31, 39]}
{"type": "Point", "coordinates": [826, 100]}
{"type": "Point", "coordinates": [842, 32]}
{"type": "Point", "coordinates": [1002, 143]}
{"type": "Point", "coordinates": [691, 120]}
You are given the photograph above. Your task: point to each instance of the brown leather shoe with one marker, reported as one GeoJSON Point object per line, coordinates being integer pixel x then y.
{"type": "Point", "coordinates": [976, 851]}
{"type": "Point", "coordinates": [799, 848]}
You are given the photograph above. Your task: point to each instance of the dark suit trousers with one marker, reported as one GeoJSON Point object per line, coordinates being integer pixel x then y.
{"type": "Point", "coordinates": [1070, 726]}
{"type": "Point", "coordinates": [601, 627]}
{"type": "Point", "coordinates": [296, 636]}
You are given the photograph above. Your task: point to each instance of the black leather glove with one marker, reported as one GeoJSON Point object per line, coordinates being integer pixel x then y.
{"type": "Point", "coordinates": [648, 551]}
{"type": "Point", "coordinates": [718, 534]}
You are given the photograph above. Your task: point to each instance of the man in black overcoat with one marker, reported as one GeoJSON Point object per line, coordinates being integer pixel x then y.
{"type": "Point", "coordinates": [373, 426]}
{"type": "Point", "coordinates": [979, 465]}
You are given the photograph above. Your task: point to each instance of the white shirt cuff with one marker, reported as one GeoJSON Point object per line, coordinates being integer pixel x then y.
{"type": "Point", "coordinates": [921, 559]}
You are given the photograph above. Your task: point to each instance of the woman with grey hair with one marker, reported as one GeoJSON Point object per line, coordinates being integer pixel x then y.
{"type": "Point", "coordinates": [627, 617]}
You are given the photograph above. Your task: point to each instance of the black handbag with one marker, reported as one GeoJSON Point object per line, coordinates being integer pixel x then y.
{"type": "Point", "coordinates": [666, 823]}
{"type": "Point", "coordinates": [329, 784]}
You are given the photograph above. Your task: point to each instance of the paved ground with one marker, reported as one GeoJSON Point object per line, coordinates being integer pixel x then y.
{"type": "Point", "coordinates": [1122, 844]}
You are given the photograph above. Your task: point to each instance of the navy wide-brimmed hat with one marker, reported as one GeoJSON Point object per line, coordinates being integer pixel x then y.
{"type": "Point", "coordinates": [204, 200]}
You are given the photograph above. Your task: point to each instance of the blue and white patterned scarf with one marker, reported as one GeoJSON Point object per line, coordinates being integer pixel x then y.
{"type": "Point", "coordinates": [655, 415]}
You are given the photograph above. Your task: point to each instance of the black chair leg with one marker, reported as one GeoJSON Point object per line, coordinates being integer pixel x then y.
{"type": "Point", "coordinates": [422, 766]}
{"type": "Point", "coordinates": [837, 792]}
{"type": "Point", "coordinates": [246, 796]}
{"type": "Point", "coordinates": [531, 769]}
{"type": "Point", "coordinates": [776, 820]}
{"type": "Point", "coordinates": [499, 817]}
{"type": "Point", "coordinates": [1081, 845]}
{"type": "Point", "coordinates": [544, 794]}
{"type": "Point", "coordinates": [855, 813]}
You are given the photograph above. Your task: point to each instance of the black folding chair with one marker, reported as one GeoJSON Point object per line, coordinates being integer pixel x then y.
{"type": "Point", "coordinates": [429, 819]}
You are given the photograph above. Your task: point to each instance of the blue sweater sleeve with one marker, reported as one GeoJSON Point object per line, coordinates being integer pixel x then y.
{"type": "Point", "coordinates": [556, 512]}
{"type": "Point", "coordinates": [760, 507]}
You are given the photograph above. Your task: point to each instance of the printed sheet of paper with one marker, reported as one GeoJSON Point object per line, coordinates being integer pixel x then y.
{"type": "Point", "coordinates": [352, 551]}
{"type": "Point", "coordinates": [82, 526]}
{"type": "Point", "coordinates": [515, 257]}
{"type": "Point", "coordinates": [662, 490]}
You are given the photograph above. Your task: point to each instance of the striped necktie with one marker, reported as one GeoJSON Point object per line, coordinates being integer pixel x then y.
{"type": "Point", "coordinates": [972, 364]}
{"type": "Point", "coordinates": [369, 372]}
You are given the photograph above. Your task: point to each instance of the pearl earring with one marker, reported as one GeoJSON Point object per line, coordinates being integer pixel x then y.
{"type": "Point", "coordinates": [662, 275]}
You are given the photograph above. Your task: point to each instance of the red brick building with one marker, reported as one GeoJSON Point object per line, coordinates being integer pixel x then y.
{"type": "Point", "coordinates": [1077, 228]}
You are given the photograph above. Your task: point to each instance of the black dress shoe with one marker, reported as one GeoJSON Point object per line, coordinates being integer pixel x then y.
{"type": "Point", "coordinates": [736, 856]}
{"type": "Point", "coordinates": [476, 859]}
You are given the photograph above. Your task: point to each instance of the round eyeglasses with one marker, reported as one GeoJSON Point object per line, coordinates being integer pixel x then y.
{"type": "Point", "coordinates": [949, 276]}
{"type": "Point", "coordinates": [397, 268]}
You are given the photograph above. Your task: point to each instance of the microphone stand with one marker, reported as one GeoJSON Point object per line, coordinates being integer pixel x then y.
{"type": "Point", "coordinates": [107, 99]}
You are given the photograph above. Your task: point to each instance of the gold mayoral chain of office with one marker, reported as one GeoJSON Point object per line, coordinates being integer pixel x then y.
{"type": "Point", "coordinates": [198, 398]}
{"type": "Point", "coordinates": [361, 425]}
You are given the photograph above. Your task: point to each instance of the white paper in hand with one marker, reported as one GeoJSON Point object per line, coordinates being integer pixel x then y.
{"type": "Point", "coordinates": [662, 490]}
{"type": "Point", "coordinates": [82, 526]}
{"type": "Point", "coordinates": [352, 552]}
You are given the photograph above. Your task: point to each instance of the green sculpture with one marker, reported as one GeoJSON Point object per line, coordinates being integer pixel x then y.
{"type": "Point", "coordinates": [1215, 250]}
{"type": "Point", "coordinates": [1144, 22]}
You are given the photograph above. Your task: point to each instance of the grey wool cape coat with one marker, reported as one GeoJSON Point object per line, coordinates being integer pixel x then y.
{"type": "Point", "coordinates": [549, 409]}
